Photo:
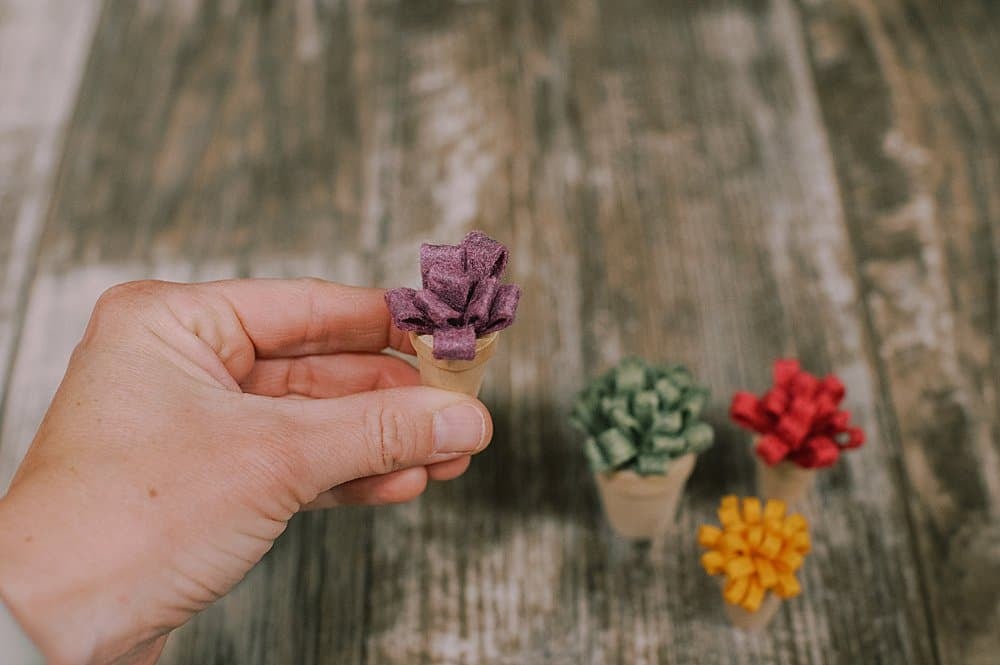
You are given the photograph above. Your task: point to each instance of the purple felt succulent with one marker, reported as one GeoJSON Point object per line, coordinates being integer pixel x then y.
{"type": "Point", "coordinates": [462, 297]}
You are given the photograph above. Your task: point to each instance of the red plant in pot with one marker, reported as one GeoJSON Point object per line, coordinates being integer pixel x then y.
{"type": "Point", "coordinates": [799, 418]}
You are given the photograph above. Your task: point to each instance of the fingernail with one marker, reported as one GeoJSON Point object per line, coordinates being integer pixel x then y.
{"type": "Point", "coordinates": [459, 429]}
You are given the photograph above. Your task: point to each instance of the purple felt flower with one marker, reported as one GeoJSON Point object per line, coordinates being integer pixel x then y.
{"type": "Point", "coordinates": [462, 297]}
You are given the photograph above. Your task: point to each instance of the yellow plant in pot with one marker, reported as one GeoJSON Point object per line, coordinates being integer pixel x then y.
{"type": "Point", "coordinates": [757, 550]}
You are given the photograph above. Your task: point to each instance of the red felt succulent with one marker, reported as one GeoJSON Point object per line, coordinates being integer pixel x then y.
{"type": "Point", "coordinates": [799, 418]}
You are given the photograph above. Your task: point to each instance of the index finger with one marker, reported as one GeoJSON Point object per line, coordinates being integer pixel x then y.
{"type": "Point", "coordinates": [298, 317]}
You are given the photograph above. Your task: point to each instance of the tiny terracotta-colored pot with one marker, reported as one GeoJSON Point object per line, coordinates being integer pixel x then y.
{"type": "Point", "coordinates": [753, 622]}
{"type": "Point", "coordinates": [461, 376]}
{"type": "Point", "coordinates": [785, 480]}
{"type": "Point", "coordinates": [644, 507]}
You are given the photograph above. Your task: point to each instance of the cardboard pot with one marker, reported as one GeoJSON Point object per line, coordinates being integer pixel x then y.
{"type": "Point", "coordinates": [461, 376]}
{"type": "Point", "coordinates": [753, 622]}
{"type": "Point", "coordinates": [643, 507]}
{"type": "Point", "coordinates": [785, 480]}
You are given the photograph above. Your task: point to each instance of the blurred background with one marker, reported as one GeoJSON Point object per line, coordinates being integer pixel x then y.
{"type": "Point", "coordinates": [718, 183]}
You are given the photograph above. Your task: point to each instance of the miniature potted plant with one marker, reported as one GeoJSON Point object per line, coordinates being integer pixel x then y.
{"type": "Point", "coordinates": [800, 428]}
{"type": "Point", "coordinates": [757, 551]}
{"type": "Point", "coordinates": [643, 430]}
{"type": "Point", "coordinates": [455, 319]}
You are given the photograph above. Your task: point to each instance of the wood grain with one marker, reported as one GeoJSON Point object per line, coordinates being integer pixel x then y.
{"type": "Point", "coordinates": [717, 183]}
{"type": "Point", "coordinates": [40, 41]}
{"type": "Point", "coordinates": [919, 175]}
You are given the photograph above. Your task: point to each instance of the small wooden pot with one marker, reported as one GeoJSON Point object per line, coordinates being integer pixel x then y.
{"type": "Point", "coordinates": [752, 622]}
{"type": "Point", "coordinates": [461, 376]}
{"type": "Point", "coordinates": [785, 480]}
{"type": "Point", "coordinates": [643, 507]}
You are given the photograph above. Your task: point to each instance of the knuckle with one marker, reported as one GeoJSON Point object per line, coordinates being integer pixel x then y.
{"type": "Point", "coordinates": [128, 293]}
{"type": "Point", "coordinates": [130, 297]}
{"type": "Point", "coordinates": [309, 283]}
{"type": "Point", "coordinates": [312, 288]}
{"type": "Point", "coordinates": [391, 436]}
{"type": "Point", "coordinates": [116, 307]}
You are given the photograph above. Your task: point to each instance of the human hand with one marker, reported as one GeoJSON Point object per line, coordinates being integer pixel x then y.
{"type": "Point", "coordinates": [192, 423]}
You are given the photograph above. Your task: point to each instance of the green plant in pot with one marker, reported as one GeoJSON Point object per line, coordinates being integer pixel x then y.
{"type": "Point", "coordinates": [643, 431]}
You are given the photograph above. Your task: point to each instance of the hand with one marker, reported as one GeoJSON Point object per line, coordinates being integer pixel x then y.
{"type": "Point", "coordinates": [192, 423]}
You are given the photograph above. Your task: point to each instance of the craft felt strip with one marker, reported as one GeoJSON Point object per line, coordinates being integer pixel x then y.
{"type": "Point", "coordinates": [653, 464]}
{"type": "Point", "coordinates": [757, 549]}
{"type": "Point", "coordinates": [455, 343]}
{"type": "Point", "coordinates": [406, 314]}
{"type": "Point", "coordinates": [503, 308]}
{"type": "Point", "coordinates": [486, 257]}
{"type": "Point", "coordinates": [594, 454]}
{"type": "Point", "coordinates": [481, 301]}
{"type": "Point", "coordinates": [641, 418]}
{"type": "Point", "coordinates": [440, 313]}
{"type": "Point", "coordinates": [799, 418]}
{"type": "Point", "coordinates": [462, 296]}
{"type": "Point", "coordinates": [450, 285]}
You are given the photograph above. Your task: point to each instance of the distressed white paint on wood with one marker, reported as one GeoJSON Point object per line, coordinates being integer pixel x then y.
{"type": "Point", "coordinates": [919, 176]}
{"type": "Point", "coordinates": [43, 49]}
{"type": "Point", "coordinates": [665, 273]}
{"type": "Point", "coordinates": [817, 232]}
{"type": "Point", "coordinates": [664, 180]}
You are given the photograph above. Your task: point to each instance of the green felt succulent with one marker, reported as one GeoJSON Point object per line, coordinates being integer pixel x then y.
{"type": "Point", "coordinates": [639, 417]}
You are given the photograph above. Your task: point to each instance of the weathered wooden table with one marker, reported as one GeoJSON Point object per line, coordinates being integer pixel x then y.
{"type": "Point", "coordinates": [714, 182]}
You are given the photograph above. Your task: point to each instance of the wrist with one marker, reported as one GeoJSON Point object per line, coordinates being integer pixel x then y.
{"type": "Point", "coordinates": [48, 587]}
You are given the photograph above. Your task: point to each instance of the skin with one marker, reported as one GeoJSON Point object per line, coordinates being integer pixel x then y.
{"type": "Point", "coordinates": [192, 423]}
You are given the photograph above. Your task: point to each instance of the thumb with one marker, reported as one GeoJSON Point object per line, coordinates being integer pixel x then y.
{"type": "Point", "coordinates": [377, 432]}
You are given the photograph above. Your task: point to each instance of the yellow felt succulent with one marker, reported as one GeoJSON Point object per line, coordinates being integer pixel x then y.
{"type": "Point", "coordinates": [758, 549]}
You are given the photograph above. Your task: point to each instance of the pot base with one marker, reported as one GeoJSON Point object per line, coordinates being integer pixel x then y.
{"type": "Point", "coordinates": [785, 480]}
{"type": "Point", "coordinates": [643, 507]}
{"type": "Point", "coordinates": [753, 622]}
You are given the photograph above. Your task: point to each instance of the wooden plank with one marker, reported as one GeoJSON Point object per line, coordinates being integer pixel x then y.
{"type": "Point", "coordinates": [43, 46]}
{"type": "Point", "coordinates": [910, 91]}
{"type": "Point", "coordinates": [663, 176]}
